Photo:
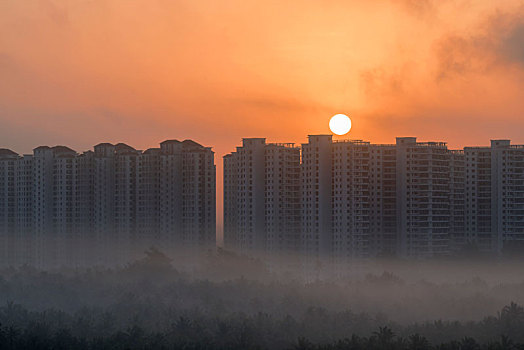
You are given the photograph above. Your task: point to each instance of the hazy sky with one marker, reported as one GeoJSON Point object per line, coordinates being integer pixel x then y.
{"type": "Point", "coordinates": [140, 71]}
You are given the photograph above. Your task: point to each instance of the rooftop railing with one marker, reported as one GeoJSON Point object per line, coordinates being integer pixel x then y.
{"type": "Point", "coordinates": [283, 144]}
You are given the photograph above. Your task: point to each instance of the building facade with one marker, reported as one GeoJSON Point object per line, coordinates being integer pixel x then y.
{"type": "Point", "coordinates": [262, 199]}
{"type": "Point", "coordinates": [316, 183]}
{"type": "Point", "coordinates": [363, 203]}
{"type": "Point", "coordinates": [495, 197]}
{"type": "Point", "coordinates": [423, 198]}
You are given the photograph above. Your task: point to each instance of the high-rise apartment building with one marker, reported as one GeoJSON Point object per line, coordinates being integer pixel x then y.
{"type": "Point", "coordinates": [8, 205]}
{"type": "Point", "coordinates": [363, 203]}
{"type": "Point", "coordinates": [316, 182]}
{"type": "Point", "coordinates": [59, 207]}
{"type": "Point", "coordinates": [23, 245]}
{"type": "Point", "coordinates": [283, 198]}
{"type": "Point", "coordinates": [478, 198]}
{"type": "Point", "coordinates": [262, 199]}
{"type": "Point", "coordinates": [364, 206]}
{"type": "Point", "coordinates": [351, 204]}
{"type": "Point", "coordinates": [383, 195]}
{"type": "Point", "coordinates": [457, 197]}
{"type": "Point", "coordinates": [507, 198]}
{"type": "Point", "coordinates": [198, 196]}
{"type": "Point", "coordinates": [495, 196]}
{"type": "Point", "coordinates": [423, 197]}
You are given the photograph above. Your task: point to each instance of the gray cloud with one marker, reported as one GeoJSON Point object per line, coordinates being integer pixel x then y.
{"type": "Point", "coordinates": [497, 43]}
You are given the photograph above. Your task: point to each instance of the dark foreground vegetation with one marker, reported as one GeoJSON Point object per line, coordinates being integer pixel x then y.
{"type": "Point", "coordinates": [56, 330]}
{"type": "Point", "coordinates": [150, 304]}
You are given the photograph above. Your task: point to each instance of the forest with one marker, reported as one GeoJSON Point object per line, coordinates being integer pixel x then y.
{"type": "Point", "coordinates": [234, 302]}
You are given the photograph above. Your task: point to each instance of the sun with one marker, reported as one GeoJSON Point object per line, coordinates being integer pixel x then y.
{"type": "Point", "coordinates": [340, 124]}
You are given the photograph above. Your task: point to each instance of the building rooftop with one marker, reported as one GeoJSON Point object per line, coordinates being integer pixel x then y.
{"type": "Point", "coordinates": [152, 151]}
{"type": "Point", "coordinates": [170, 142]}
{"type": "Point", "coordinates": [63, 149]}
{"type": "Point", "coordinates": [104, 144]}
{"type": "Point", "coordinates": [356, 142]}
{"type": "Point", "coordinates": [7, 153]}
{"type": "Point", "coordinates": [191, 143]}
{"type": "Point", "coordinates": [185, 143]}
{"type": "Point", "coordinates": [121, 147]}
{"type": "Point", "coordinates": [283, 144]}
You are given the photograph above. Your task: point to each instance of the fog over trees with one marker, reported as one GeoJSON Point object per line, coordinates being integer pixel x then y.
{"type": "Point", "coordinates": [228, 301]}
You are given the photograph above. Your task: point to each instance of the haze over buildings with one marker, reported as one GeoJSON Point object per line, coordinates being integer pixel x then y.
{"type": "Point", "coordinates": [334, 200]}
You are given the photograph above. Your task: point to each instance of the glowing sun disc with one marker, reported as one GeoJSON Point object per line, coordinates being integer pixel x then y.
{"type": "Point", "coordinates": [340, 124]}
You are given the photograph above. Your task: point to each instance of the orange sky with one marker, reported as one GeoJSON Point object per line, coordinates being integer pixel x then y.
{"type": "Point", "coordinates": [78, 72]}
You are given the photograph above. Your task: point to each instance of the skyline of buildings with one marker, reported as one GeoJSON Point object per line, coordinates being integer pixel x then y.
{"type": "Point", "coordinates": [58, 207]}
{"type": "Point", "coordinates": [361, 200]}
{"type": "Point", "coordinates": [339, 200]}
